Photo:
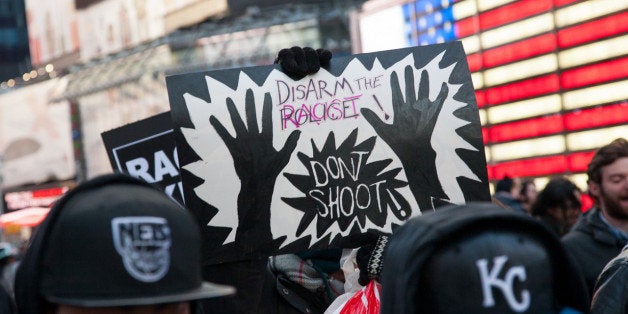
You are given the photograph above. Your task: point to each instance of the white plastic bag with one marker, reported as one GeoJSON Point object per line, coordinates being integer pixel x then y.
{"type": "Point", "coordinates": [356, 299]}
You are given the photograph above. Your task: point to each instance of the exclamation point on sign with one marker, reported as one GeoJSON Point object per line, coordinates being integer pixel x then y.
{"type": "Point", "coordinates": [386, 116]}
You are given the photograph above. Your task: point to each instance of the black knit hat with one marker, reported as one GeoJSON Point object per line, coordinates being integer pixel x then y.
{"type": "Point", "coordinates": [478, 258]}
{"type": "Point", "coordinates": [114, 241]}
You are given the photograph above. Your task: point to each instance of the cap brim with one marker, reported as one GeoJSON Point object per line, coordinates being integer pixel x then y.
{"type": "Point", "coordinates": [206, 291]}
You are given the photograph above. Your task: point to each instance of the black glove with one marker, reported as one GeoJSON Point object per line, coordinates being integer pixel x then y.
{"type": "Point", "coordinates": [298, 62]}
{"type": "Point", "coordinates": [370, 259]}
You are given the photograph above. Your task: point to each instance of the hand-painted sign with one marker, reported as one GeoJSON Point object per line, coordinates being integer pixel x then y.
{"type": "Point", "coordinates": [273, 165]}
{"type": "Point", "coordinates": [146, 149]}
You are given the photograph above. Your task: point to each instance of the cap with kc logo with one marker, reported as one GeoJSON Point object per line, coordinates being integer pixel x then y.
{"type": "Point", "coordinates": [478, 258]}
{"type": "Point", "coordinates": [114, 241]}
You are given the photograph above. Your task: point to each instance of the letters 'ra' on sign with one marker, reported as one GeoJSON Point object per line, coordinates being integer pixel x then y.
{"type": "Point", "coordinates": [146, 149]}
{"type": "Point", "coordinates": [272, 165]}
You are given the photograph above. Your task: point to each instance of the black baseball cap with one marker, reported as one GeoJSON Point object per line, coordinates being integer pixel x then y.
{"type": "Point", "coordinates": [115, 241]}
{"type": "Point", "coordinates": [479, 258]}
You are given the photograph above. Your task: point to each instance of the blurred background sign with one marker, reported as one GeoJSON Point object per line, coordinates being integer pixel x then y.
{"type": "Point", "coordinates": [27, 217]}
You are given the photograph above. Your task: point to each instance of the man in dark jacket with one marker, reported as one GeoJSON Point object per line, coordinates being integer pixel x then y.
{"type": "Point", "coordinates": [602, 232]}
{"type": "Point", "coordinates": [611, 289]}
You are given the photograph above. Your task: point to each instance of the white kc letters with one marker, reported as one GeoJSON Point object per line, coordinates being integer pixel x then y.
{"type": "Point", "coordinates": [490, 278]}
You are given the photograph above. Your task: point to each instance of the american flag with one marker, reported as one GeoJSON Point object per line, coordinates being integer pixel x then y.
{"type": "Point", "coordinates": [551, 76]}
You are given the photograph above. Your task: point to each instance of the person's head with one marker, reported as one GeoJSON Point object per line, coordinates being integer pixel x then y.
{"type": "Point", "coordinates": [478, 258]}
{"type": "Point", "coordinates": [560, 201]}
{"type": "Point", "coordinates": [528, 194]}
{"type": "Point", "coordinates": [608, 179]}
{"type": "Point", "coordinates": [114, 244]}
{"type": "Point", "coordinates": [509, 185]}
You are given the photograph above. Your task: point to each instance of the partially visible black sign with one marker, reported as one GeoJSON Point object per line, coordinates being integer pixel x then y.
{"type": "Point", "coordinates": [146, 149]}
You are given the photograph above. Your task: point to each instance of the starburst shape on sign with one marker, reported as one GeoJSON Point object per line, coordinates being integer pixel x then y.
{"type": "Point", "coordinates": [342, 188]}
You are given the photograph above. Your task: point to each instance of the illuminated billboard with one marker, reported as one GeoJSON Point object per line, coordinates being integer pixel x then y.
{"type": "Point", "coordinates": [551, 76]}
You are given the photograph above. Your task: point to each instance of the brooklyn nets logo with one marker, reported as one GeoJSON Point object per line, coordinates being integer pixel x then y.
{"type": "Point", "coordinates": [144, 244]}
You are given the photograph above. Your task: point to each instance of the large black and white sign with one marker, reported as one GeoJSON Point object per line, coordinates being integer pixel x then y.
{"type": "Point", "coordinates": [272, 165]}
{"type": "Point", "coordinates": [146, 149]}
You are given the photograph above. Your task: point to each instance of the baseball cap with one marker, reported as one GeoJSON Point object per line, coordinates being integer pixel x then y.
{"type": "Point", "coordinates": [116, 241]}
{"type": "Point", "coordinates": [479, 258]}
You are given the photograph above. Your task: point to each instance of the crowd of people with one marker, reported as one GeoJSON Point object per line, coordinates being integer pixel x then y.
{"type": "Point", "coordinates": [592, 236]}
{"type": "Point", "coordinates": [528, 251]}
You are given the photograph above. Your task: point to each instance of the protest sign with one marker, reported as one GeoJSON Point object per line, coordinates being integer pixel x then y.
{"type": "Point", "coordinates": [273, 165]}
{"type": "Point", "coordinates": [146, 149]}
